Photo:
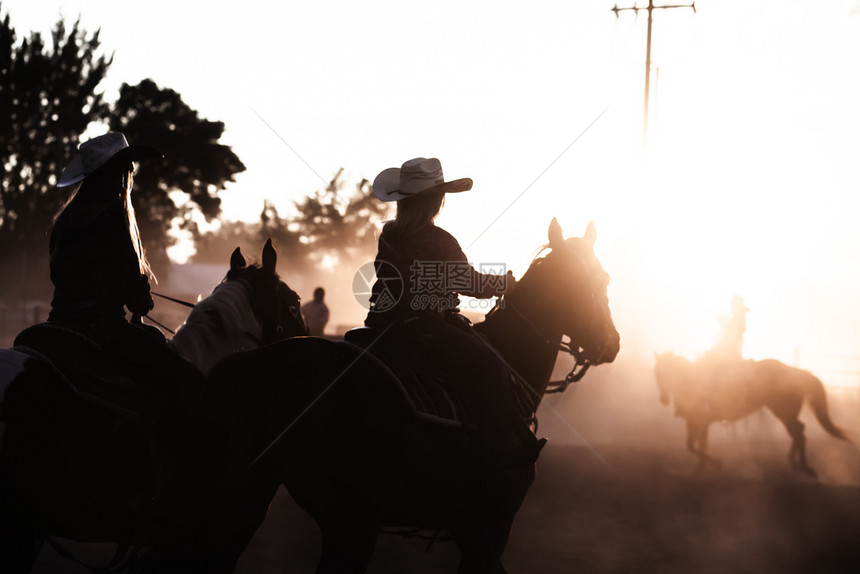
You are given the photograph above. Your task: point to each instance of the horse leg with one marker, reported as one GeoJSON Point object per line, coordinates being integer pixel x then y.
{"type": "Point", "coordinates": [348, 538]}
{"type": "Point", "coordinates": [797, 452]}
{"type": "Point", "coordinates": [787, 413]}
{"type": "Point", "coordinates": [716, 463]}
{"type": "Point", "coordinates": [697, 443]}
{"type": "Point", "coordinates": [224, 520]}
{"type": "Point", "coordinates": [692, 439]}
{"type": "Point", "coordinates": [482, 540]}
{"type": "Point", "coordinates": [482, 531]}
{"type": "Point", "coordinates": [241, 509]}
{"type": "Point", "coordinates": [482, 550]}
{"type": "Point", "coordinates": [20, 542]}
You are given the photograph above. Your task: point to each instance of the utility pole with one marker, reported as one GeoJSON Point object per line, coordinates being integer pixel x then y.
{"type": "Point", "coordinates": [650, 8]}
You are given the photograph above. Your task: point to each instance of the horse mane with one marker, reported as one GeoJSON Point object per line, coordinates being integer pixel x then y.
{"type": "Point", "coordinates": [250, 268]}
{"type": "Point", "coordinates": [538, 258]}
{"type": "Point", "coordinates": [228, 307]}
{"type": "Point", "coordinates": [201, 339]}
{"type": "Point", "coordinates": [528, 278]}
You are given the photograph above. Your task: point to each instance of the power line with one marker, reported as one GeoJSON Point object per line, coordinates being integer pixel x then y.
{"type": "Point", "coordinates": [650, 9]}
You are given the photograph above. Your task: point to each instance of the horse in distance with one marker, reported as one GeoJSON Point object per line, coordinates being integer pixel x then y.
{"type": "Point", "coordinates": [705, 392]}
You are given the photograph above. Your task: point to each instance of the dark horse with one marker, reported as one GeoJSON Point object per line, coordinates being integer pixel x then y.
{"type": "Point", "coordinates": [88, 460]}
{"type": "Point", "coordinates": [706, 391]}
{"type": "Point", "coordinates": [337, 429]}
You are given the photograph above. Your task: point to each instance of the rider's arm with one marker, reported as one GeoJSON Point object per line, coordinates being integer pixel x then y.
{"type": "Point", "coordinates": [464, 279]}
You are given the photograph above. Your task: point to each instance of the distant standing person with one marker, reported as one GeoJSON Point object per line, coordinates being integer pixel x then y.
{"type": "Point", "coordinates": [316, 313]}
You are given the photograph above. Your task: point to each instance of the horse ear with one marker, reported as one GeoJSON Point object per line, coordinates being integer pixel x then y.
{"type": "Point", "coordinates": [270, 256]}
{"type": "Point", "coordinates": [236, 260]}
{"type": "Point", "coordinates": [556, 237]}
{"type": "Point", "coordinates": [590, 233]}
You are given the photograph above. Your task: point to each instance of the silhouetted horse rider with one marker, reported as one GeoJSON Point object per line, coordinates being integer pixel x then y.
{"type": "Point", "coordinates": [420, 270]}
{"type": "Point", "coordinates": [98, 269]}
{"type": "Point", "coordinates": [731, 342]}
{"type": "Point", "coordinates": [727, 353]}
{"type": "Point", "coordinates": [97, 262]}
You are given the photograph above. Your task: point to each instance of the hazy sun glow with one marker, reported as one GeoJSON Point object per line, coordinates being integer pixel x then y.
{"type": "Point", "coordinates": [749, 185]}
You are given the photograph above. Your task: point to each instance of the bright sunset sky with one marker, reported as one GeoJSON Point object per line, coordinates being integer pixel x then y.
{"type": "Point", "coordinates": [751, 183]}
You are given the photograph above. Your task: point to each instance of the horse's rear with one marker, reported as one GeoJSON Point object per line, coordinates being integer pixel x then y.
{"type": "Point", "coordinates": [20, 541]}
{"type": "Point", "coordinates": [71, 468]}
{"type": "Point", "coordinates": [67, 468]}
{"type": "Point", "coordinates": [784, 390]}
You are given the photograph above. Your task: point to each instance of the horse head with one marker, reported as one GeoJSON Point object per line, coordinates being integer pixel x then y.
{"type": "Point", "coordinates": [671, 371]}
{"type": "Point", "coordinates": [565, 291]}
{"type": "Point", "coordinates": [251, 307]}
{"type": "Point", "coordinates": [275, 305]}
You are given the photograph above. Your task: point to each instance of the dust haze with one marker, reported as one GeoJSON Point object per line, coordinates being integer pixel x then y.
{"type": "Point", "coordinates": [616, 491]}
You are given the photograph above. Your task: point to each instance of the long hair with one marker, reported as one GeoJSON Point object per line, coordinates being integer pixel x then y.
{"type": "Point", "coordinates": [414, 213]}
{"type": "Point", "coordinates": [110, 183]}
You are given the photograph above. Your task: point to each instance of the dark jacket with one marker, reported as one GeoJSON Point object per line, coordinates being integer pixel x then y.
{"type": "Point", "coordinates": [94, 266]}
{"type": "Point", "coordinates": [422, 274]}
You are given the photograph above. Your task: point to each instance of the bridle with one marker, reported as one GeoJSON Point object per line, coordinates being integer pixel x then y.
{"type": "Point", "coordinates": [574, 376]}
{"type": "Point", "coordinates": [172, 299]}
{"type": "Point", "coordinates": [581, 362]}
{"type": "Point", "coordinates": [272, 330]}
{"type": "Point", "coordinates": [275, 330]}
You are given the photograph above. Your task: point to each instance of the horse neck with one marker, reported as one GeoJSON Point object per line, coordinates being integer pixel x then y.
{"type": "Point", "coordinates": [527, 344]}
{"type": "Point", "coordinates": [220, 324]}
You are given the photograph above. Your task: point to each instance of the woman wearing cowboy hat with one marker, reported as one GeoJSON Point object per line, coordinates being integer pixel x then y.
{"type": "Point", "coordinates": [97, 263]}
{"type": "Point", "coordinates": [98, 266]}
{"type": "Point", "coordinates": [420, 271]}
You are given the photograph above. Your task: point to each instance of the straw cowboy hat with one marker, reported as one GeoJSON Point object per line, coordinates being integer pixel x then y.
{"type": "Point", "coordinates": [98, 151]}
{"type": "Point", "coordinates": [419, 175]}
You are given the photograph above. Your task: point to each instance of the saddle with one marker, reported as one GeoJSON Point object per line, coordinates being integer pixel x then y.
{"type": "Point", "coordinates": [88, 370]}
{"type": "Point", "coordinates": [431, 390]}
{"type": "Point", "coordinates": [94, 376]}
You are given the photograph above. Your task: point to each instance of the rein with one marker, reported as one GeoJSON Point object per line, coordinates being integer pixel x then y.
{"type": "Point", "coordinates": [580, 362]}
{"type": "Point", "coordinates": [180, 301]}
{"type": "Point", "coordinates": [162, 325]}
{"type": "Point", "coordinates": [573, 376]}
{"type": "Point", "coordinates": [256, 340]}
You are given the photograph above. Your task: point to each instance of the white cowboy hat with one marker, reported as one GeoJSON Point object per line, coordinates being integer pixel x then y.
{"type": "Point", "coordinates": [417, 175]}
{"type": "Point", "coordinates": [96, 152]}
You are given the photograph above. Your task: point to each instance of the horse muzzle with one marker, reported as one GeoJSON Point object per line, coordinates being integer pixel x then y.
{"type": "Point", "coordinates": [605, 351]}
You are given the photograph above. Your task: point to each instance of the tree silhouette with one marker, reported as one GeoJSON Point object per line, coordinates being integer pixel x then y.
{"type": "Point", "coordinates": [216, 245]}
{"type": "Point", "coordinates": [338, 225]}
{"type": "Point", "coordinates": [194, 162]}
{"type": "Point", "coordinates": [328, 224]}
{"type": "Point", "coordinates": [48, 97]}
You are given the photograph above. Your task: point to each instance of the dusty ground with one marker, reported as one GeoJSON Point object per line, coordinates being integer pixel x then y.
{"type": "Point", "coordinates": [616, 492]}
